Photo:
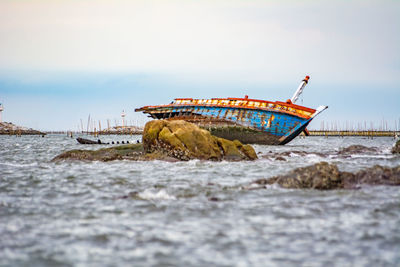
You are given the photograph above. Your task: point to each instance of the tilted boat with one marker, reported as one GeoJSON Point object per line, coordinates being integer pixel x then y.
{"type": "Point", "coordinates": [248, 120]}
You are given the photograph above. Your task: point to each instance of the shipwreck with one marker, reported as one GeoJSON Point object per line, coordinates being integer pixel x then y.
{"type": "Point", "coordinates": [248, 120]}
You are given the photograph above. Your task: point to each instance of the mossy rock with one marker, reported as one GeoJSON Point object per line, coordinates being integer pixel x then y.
{"type": "Point", "coordinates": [249, 151]}
{"type": "Point", "coordinates": [231, 149]}
{"type": "Point", "coordinates": [185, 141]}
{"type": "Point", "coordinates": [150, 134]}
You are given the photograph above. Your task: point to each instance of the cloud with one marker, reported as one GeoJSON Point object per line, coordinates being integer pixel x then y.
{"type": "Point", "coordinates": [354, 41]}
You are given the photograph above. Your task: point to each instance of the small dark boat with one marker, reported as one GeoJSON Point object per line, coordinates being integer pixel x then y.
{"type": "Point", "coordinates": [88, 141]}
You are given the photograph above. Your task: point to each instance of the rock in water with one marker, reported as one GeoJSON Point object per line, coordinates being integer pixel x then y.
{"type": "Point", "coordinates": [131, 152]}
{"type": "Point", "coordinates": [11, 129]}
{"type": "Point", "coordinates": [325, 176]}
{"type": "Point", "coordinates": [357, 149]}
{"type": "Point", "coordinates": [185, 141]}
{"type": "Point", "coordinates": [171, 141]}
{"type": "Point", "coordinates": [376, 175]}
{"type": "Point", "coordinates": [396, 148]}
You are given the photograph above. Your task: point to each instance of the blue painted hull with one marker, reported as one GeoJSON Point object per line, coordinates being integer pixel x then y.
{"type": "Point", "coordinates": [247, 125]}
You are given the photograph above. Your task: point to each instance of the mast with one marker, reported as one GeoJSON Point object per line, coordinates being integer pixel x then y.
{"type": "Point", "coordinates": [88, 122]}
{"type": "Point", "coordinates": [299, 90]}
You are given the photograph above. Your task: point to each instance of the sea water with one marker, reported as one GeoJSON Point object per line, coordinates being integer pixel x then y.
{"type": "Point", "coordinates": [195, 213]}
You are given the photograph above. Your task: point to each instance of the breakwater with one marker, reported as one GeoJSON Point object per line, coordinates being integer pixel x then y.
{"type": "Point", "coordinates": [8, 128]}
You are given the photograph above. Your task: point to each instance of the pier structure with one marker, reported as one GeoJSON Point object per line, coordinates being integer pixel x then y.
{"type": "Point", "coordinates": [371, 133]}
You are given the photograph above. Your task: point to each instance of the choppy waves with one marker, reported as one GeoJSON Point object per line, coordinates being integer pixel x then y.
{"type": "Point", "coordinates": [192, 213]}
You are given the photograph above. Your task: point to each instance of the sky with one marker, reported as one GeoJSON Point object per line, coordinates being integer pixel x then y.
{"type": "Point", "coordinates": [63, 60]}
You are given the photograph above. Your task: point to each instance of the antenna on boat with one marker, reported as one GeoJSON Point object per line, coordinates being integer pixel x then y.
{"type": "Point", "coordinates": [299, 90]}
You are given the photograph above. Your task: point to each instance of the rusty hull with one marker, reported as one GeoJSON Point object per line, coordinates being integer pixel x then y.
{"type": "Point", "coordinates": [248, 120]}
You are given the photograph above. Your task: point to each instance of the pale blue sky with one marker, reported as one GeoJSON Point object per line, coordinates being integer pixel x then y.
{"type": "Point", "coordinates": [63, 60]}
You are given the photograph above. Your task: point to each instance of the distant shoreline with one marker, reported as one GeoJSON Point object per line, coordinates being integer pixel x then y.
{"type": "Point", "coordinates": [8, 128]}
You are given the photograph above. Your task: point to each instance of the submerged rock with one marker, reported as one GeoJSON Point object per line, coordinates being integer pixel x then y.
{"type": "Point", "coordinates": [357, 149]}
{"type": "Point", "coordinates": [132, 152]}
{"type": "Point", "coordinates": [321, 176]}
{"type": "Point", "coordinates": [396, 148]}
{"type": "Point", "coordinates": [376, 175]}
{"type": "Point", "coordinates": [325, 176]}
{"type": "Point", "coordinates": [171, 141]}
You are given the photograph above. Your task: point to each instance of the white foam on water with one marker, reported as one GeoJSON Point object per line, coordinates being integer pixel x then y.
{"type": "Point", "coordinates": [376, 156]}
{"type": "Point", "coordinates": [160, 195]}
{"type": "Point", "coordinates": [313, 158]}
{"type": "Point", "coordinates": [11, 164]}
